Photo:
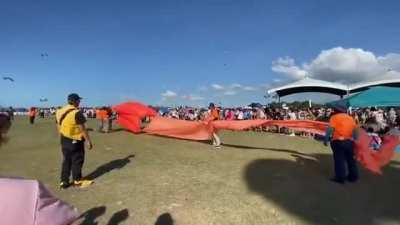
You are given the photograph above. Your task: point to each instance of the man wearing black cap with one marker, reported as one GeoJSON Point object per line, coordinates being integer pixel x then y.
{"type": "Point", "coordinates": [71, 125]}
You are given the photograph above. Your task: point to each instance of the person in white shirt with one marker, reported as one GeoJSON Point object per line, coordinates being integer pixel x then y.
{"type": "Point", "coordinates": [240, 115]}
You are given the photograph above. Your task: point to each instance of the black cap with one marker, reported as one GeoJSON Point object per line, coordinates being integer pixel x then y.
{"type": "Point", "coordinates": [211, 105]}
{"type": "Point", "coordinates": [74, 97]}
{"type": "Point", "coordinates": [339, 108]}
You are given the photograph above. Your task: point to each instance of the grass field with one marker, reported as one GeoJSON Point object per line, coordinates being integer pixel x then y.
{"type": "Point", "coordinates": [256, 178]}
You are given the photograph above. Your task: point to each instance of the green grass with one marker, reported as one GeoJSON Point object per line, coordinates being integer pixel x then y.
{"type": "Point", "coordinates": [256, 178]}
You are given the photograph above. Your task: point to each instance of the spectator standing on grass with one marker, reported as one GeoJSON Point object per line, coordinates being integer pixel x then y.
{"type": "Point", "coordinates": [5, 124]}
{"type": "Point", "coordinates": [376, 141]}
{"type": "Point", "coordinates": [341, 133]}
{"type": "Point", "coordinates": [214, 115]}
{"type": "Point", "coordinates": [10, 113]}
{"type": "Point", "coordinates": [392, 117]}
{"type": "Point", "coordinates": [32, 115]}
{"type": "Point", "coordinates": [72, 129]}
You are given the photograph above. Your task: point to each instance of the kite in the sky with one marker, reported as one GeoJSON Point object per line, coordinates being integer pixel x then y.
{"type": "Point", "coordinates": [44, 55]}
{"type": "Point", "coordinates": [43, 100]}
{"type": "Point", "coordinates": [8, 78]}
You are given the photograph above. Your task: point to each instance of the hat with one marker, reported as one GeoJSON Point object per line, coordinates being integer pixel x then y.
{"type": "Point", "coordinates": [339, 108]}
{"type": "Point", "coordinates": [211, 105]}
{"type": "Point", "coordinates": [73, 97]}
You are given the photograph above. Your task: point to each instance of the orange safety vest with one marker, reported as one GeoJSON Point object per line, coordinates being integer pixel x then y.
{"type": "Point", "coordinates": [101, 114]}
{"type": "Point", "coordinates": [343, 125]}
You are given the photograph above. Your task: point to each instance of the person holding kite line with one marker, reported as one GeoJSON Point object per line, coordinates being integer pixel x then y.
{"type": "Point", "coordinates": [341, 132]}
{"type": "Point", "coordinates": [214, 115]}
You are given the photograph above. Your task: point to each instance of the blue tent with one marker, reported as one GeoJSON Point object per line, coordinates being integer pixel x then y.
{"type": "Point", "coordinates": [379, 96]}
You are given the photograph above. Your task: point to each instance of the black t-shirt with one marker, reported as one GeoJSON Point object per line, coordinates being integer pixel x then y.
{"type": "Point", "coordinates": [80, 118]}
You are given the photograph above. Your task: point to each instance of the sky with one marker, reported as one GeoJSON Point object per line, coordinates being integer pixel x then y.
{"type": "Point", "coordinates": [190, 52]}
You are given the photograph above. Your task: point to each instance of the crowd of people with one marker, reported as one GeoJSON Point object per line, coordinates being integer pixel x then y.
{"type": "Point", "coordinates": [375, 120]}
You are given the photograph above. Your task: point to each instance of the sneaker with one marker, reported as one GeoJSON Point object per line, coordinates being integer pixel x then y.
{"type": "Point", "coordinates": [217, 146]}
{"type": "Point", "coordinates": [64, 185]}
{"type": "Point", "coordinates": [82, 183]}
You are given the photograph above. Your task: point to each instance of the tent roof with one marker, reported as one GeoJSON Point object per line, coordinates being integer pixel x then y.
{"type": "Point", "coordinates": [313, 85]}
{"type": "Point", "coordinates": [380, 96]}
{"type": "Point", "coordinates": [310, 85]}
{"type": "Point", "coordinates": [365, 85]}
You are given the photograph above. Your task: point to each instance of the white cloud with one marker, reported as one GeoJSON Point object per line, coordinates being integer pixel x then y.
{"type": "Point", "coordinates": [203, 88]}
{"type": "Point", "coordinates": [288, 67]}
{"type": "Point", "coordinates": [249, 88]}
{"type": "Point", "coordinates": [218, 87]}
{"type": "Point", "coordinates": [230, 92]}
{"type": "Point", "coordinates": [276, 80]}
{"type": "Point", "coordinates": [192, 97]}
{"type": "Point", "coordinates": [169, 94]}
{"type": "Point", "coordinates": [338, 64]}
{"type": "Point", "coordinates": [265, 86]}
{"type": "Point", "coordinates": [233, 86]}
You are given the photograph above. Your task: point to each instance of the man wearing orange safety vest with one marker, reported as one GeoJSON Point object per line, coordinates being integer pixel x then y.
{"type": "Point", "coordinates": [71, 126]}
{"type": "Point", "coordinates": [341, 133]}
{"type": "Point", "coordinates": [103, 116]}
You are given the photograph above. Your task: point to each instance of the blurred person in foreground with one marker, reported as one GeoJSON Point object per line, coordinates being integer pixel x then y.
{"type": "Point", "coordinates": [27, 202]}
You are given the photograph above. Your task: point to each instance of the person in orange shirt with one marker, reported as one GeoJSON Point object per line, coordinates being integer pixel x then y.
{"type": "Point", "coordinates": [102, 116]}
{"type": "Point", "coordinates": [341, 133]}
{"type": "Point", "coordinates": [214, 115]}
{"type": "Point", "coordinates": [32, 115]}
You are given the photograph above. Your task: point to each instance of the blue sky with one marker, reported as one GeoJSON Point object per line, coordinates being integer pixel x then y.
{"type": "Point", "coordinates": [112, 51]}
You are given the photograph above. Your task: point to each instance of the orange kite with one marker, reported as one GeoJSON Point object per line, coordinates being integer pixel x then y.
{"type": "Point", "coordinates": [130, 115]}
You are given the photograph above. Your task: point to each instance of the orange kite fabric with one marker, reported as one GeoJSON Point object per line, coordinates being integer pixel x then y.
{"type": "Point", "coordinates": [130, 115]}
{"type": "Point", "coordinates": [202, 130]}
{"type": "Point", "coordinates": [191, 130]}
{"type": "Point", "coordinates": [374, 160]}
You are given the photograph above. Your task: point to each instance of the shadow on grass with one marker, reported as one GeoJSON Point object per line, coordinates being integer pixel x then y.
{"type": "Point", "coordinates": [118, 217]}
{"type": "Point", "coordinates": [165, 219]}
{"type": "Point", "coordinates": [302, 188]}
{"type": "Point", "coordinates": [108, 167]}
{"type": "Point", "coordinates": [116, 130]}
{"type": "Point", "coordinates": [268, 149]}
{"type": "Point", "coordinates": [3, 140]}
{"type": "Point", "coordinates": [90, 216]}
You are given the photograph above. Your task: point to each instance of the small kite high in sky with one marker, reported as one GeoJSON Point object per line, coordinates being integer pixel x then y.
{"type": "Point", "coordinates": [8, 78]}
{"type": "Point", "coordinates": [44, 55]}
{"type": "Point", "coordinates": [43, 100]}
